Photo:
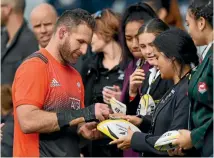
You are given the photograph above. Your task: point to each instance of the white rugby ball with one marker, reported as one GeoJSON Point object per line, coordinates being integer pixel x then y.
{"type": "Point", "coordinates": [117, 106]}
{"type": "Point", "coordinates": [164, 143]}
{"type": "Point", "coordinates": [116, 128]}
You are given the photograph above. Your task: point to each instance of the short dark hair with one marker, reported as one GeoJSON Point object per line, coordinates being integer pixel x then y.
{"type": "Point", "coordinates": [155, 26]}
{"type": "Point", "coordinates": [136, 12]}
{"type": "Point", "coordinates": [202, 8]}
{"type": "Point", "coordinates": [17, 5]}
{"type": "Point", "coordinates": [72, 18]}
{"type": "Point", "coordinates": [176, 43]}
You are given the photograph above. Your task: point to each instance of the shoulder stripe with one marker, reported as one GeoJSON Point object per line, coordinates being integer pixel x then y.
{"type": "Point", "coordinates": [38, 55]}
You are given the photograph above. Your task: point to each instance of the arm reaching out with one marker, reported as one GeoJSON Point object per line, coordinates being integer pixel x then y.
{"type": "Point", "coordinates": [32, 119]}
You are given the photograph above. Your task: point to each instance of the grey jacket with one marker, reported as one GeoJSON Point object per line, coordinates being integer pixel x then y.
{"type": "Point", "coordinates": [23, 44]}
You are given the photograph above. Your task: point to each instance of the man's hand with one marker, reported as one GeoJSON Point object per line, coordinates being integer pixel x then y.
{"type": "Point", "coordinates": [97, 134]}
{"type": "Point", "coordinates": [108, 94]}
{"type": "Point", "coordinates": [86, 130]}
{"type": "Point", "coordinates": [124, 142]}
{"type": "Point", "coordinates": [184, 139]}
{"type": "Point", "coordinates": [89, 131]}
{"type": "Point", "coordinates": [102, 111]}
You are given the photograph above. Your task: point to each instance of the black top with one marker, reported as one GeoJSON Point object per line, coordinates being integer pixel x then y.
{"type": "Point", "coordinates": [158, 88]}
{"type": "Point", "coordinates": [95, 76]}
{"type": "Point", "coordinates": [175, 105]}
{"type": "Point", "coordinates": [23, 44]}
{"type": "Point", "coordinates": [7, 138]}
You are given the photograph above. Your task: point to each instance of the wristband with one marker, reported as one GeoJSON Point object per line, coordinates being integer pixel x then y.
{"type": "Point", "coordinates": [74, 117]}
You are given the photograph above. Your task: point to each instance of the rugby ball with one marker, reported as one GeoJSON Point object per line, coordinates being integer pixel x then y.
{"type": "Point", "coordinates": [117, 106]}
{"type": "Point", "coordinates": [164, 143]}
{"type": "Point", "coordinates": [146, 105]}
{"type": "Point", "coordinates": [116, 129]}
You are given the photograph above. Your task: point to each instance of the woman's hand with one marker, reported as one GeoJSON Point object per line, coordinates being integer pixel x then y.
{"type": "Point", "coordinates": [135, 81]}
{"type": "Point", "coordinates": [133, 119]}
{"type": "Point", "coordinates": [184, 140]}
{"type": "Point", "coordinates": [108, 94]}
{"type": "Point", "coordinates": [124, 142]}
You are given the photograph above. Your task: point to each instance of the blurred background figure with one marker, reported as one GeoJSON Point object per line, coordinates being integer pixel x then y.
{"type": "Point", "coordinates": [6, 102]}
{"type": "Point", "coordinates": [7, 119]}
{"type": "Point", "coordinates": [15, 35]}
{"type": "Point", "coordinates": [153, 85]}
{"type": "Point", "coordinates": [133, 18]}
{"type": "Point", "coordinates": [168, 11]}
{"type": "Point", "coordinates": [103, 69]}
{"type": "Point", "coordinates": [43, 18]}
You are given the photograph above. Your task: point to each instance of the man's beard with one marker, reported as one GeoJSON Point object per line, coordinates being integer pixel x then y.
{"type": "Point", "coordinates": [64, 52]}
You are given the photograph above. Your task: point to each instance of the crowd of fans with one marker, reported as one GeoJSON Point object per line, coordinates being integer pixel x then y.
{"type": "Point", "coordinates": [54, 78]}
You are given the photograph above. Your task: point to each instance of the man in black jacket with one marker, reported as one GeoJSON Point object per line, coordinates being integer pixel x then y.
{"type": "Point", "coordinates": [17, 40]}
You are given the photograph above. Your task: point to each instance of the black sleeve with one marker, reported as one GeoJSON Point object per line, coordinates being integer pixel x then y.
{"type": "Point", "coordinates": [142, 142]}
{"type": "Point", "coordinates": [181, 112]}
{"type": "Point", "coordinates": [179, 121]}
{"type": "Point", "coordinates": [133, 105]}
{"type": "Point", "coordinates": [210, 83]}
{"type": "Point", "coordinates": [145, 126]}
{"type": "Point", "coordinates": [7, 138]}
{"type": "Point", "coordinates": [83, 70]}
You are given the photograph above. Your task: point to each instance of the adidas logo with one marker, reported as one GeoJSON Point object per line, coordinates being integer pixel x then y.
{"type": "Point", "coordinates": [55, 83]}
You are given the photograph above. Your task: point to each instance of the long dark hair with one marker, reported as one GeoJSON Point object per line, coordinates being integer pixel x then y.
{"type": "Point", "coordinates": [177, 44]}
{"type": "Point", "coordinates": [137, 12]}
{"type": "Point", "coordinates": [155, 26]}
{"type": "Point", "coordinates": [202, 8]}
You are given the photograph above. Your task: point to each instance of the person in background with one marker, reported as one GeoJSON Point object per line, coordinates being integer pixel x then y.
{"type": "Point", "coordinates": [17, 40]}
{"type": "Point", "coordinates": [48, 94]}
{"type": "Point", "coordinates": [43, 18]}
{"type": "Point", "coordinates": [132, 19]}
{"type": "Point", "coordinates": [199, 19]}
{"type": "Point", "coordinates": [153, 86]}
{"type": "Point", "coordinates": [7, 119]}
{"type": "Point", "coordinates": [104, 69]}
{"type": "Point", "coordinates": [6, 102]}
{"type": "Point", "coordinates": [168, 11]}
{"type": "Point", "coordinates": [175, 52]}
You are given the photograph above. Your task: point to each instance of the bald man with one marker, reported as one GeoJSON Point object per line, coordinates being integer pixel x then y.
{"type": "Point", "coordinates": [43, 18]}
